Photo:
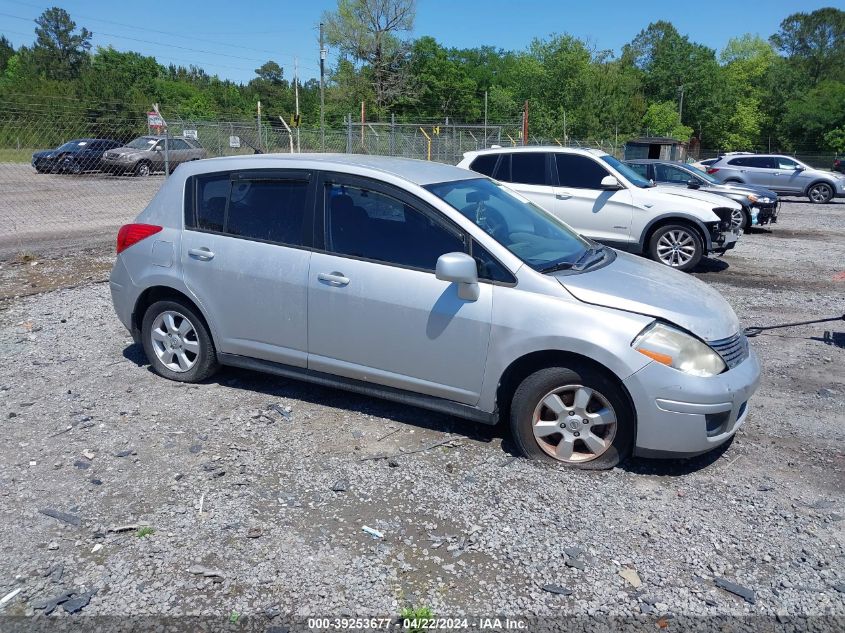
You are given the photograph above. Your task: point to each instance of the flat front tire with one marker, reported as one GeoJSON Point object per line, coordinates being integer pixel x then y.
{"type": "Point", "coordinates": [677, 246]}
{"type": "Point", "coordinates": [177, 342]}
{"type": "Point", "coordinates": [572, 416]}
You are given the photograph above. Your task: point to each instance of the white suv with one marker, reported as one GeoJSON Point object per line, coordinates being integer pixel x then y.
{"type": "Point", "coordinates": [605, 200]}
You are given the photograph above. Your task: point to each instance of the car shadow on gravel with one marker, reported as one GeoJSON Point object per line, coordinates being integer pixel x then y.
{"type": "Point", "coordinates": [676, 467]}
{"type": "Point", "coordinates": [278, 387]}
{"type": "Point", "coordinates": [711, 265]}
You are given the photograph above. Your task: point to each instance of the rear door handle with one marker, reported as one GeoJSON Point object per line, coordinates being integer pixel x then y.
{"type": "Point", "coordinates": [335, 278]}
{"type": "Point", "coordinates": [563, 196]}
{"type": "Point", "coordinates": [203, 254]}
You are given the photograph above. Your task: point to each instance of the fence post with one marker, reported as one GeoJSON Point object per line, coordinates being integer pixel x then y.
{"type": "Point", "coordinates": [349, 133]}
{"type": "Point", "coordinates": [392, 134]}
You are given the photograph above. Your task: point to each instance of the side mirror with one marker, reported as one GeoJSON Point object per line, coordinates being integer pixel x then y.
{"type": "Point", "coordinates": [609, 183]}
{"type": "Point", "coordinates": [158, 148]}
{"type": "Point", "coordinates": [799, 168]}
{"type": "Point", "coordinates": [692, 183]}
{"type": "Point", "coordinates": [461, 269]}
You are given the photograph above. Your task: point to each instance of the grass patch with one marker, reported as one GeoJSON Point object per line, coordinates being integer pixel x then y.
{"type": "Point", "coordinates": [416, 613]}
{"type": "Point", "coordinates": [12, 155]}
{"type": "Point", "coordinates": [145, 531]}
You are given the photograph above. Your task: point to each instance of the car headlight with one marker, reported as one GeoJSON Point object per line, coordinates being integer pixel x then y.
{"type": "Point", "coordinates": [679, 350]}
{"type": "Point", "coordinates": [752, 198]}
{"type": "Point", "coordinates": [765, 200]}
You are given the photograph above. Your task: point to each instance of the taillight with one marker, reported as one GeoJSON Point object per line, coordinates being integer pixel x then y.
{"type": "Point", "coordinates": [712, 170]}
{"type": "Point", "coordinates": [130, 234]}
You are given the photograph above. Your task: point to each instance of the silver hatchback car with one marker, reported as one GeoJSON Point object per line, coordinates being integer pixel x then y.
{"type": "Point", "coordinates": [433, 286]}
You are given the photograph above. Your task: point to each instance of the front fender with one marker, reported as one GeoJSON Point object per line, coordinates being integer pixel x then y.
{"type": "Point", "coordinates": [679, 215]}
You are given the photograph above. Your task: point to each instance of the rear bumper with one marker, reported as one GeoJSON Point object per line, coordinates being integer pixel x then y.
{"type": "Point", "coordinates": [682, 415]}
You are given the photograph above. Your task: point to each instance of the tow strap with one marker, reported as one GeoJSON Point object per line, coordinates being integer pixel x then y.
{"type": "Point", "coordinates": [754, 331]}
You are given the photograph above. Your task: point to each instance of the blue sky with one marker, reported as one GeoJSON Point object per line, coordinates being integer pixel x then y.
{"type": "Point", "coordinates": [231, 39]}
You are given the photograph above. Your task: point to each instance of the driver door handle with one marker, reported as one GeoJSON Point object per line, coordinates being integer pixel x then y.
{"type": "Point", "coordinates": [334, 278]}
{"type": "Point", "coordinates": [203, 254]}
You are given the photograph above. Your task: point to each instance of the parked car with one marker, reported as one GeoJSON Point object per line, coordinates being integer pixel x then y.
{"type": "Point", "coordinates": [759, 206]}
{"type": "Point", "coordinates": [839, 164]}
{"type": "Point", "coordinates": [785, 175]}
{"type": "Point", "coordinates": [436, 287]}
{"type": "Point", "coordinates": [704, 164]}
{"type": "Point", "coordinates": [603, 199]}
{"type": "Point", "coordinates": [75, 157]}
{"type": "Point", "coordinates": [146, 155]}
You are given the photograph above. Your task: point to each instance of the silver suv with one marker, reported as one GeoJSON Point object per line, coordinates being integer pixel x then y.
{"type": "Point", "coordinates": [436, 287]}
{"type": "Point", "coordinates": [784, 175]}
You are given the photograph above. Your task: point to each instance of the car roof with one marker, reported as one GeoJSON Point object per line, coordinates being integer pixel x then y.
{"type": "Point", "coordinates": [419, 172]}
{"type": "Point", "coordinates": [679, 163]}
{"type": "Point", "coordinates": [536, 148]}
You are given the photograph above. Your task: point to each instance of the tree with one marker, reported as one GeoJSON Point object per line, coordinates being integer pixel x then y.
{"type": "Point", "coordinates": [6, 52]}
{"type": "Point", "coordinates": [816, 42]}
{"type": "Point", "coordinates": [811, 115]}
{"type": "Point", "coordinates": [271, 72]}
{"type": "Point", "coordinates": [370, 32]}
{"type": "Point", "coordinates": [661, 119]}
{"type": "Point", "coordinates": [59, 50]}
{"type": "Point", "coordinates": [835, 140]}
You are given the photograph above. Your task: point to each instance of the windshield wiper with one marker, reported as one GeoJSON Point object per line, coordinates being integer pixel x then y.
{"type": "Point", "coordinates": [553, 268]}
{"type": "Point", "coordinates": [588, 258]}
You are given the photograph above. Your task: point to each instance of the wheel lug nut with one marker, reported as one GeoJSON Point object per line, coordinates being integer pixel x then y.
{"type": "Point", "coordinates": [572, 413]}
{"type": "Point", "coordinates": [585, 421]}
{"type": "Point", "coordinates": [562, 425]}
{"type": "Point", "coordinates": [576, 434]}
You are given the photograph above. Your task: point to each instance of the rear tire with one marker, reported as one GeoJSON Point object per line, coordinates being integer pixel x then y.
{"type": "Point", "coordinates": [177, 342]}
{"type": "Point", "coordinates": [820, 193]}
{"type": "Point", "coordinates": [574, 417]}
{"type": "Point", "coordinates": [678, 246]}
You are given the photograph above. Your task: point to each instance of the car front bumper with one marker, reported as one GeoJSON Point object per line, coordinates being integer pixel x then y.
{"type": "Point", "coordinates": [679, 415]}
{"type": "Point", "coordinates": [765, 213]}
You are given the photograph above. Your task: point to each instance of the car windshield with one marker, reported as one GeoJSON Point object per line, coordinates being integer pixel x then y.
{"type": "Point", "coordinates": [142, 143]}
{"type": "Point", "coordinates": [535, 236]}
{"type": "Point", "coordinates": [633, 177]}
{"type": "Point", "coordinates": [71, 145]}
{"type": "Point", "coordinates": [702, 174]}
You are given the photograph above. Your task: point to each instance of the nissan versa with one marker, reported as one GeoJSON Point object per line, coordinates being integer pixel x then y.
{"type": "Point", "coordinates": [434, 286]}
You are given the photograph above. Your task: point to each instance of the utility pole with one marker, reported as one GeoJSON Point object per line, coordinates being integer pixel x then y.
{"type": "Point", "coordinates": [485, 118]}
{"type": "Point", "coordinates": [258, 126]}
{"type": "Point", "coordinates": [322, 97]}
{"type": "Point", "coordinates": [681, 104]}
{"type": "Point", "coordinates": [296, 94]}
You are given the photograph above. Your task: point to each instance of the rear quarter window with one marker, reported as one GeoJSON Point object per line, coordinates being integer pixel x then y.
{"type": "Point", "coordinates": [485, 164]}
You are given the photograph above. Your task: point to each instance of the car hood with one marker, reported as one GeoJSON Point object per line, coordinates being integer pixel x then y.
{"type": "Point", "coordinates": [125, 151]}
{"type": "Point", "coordinates": [711, 200]}
{"type": "Point", "coordinates": [639, 285]}
{"type": "Point", "coordinates": [731, 188]}
{"type": "Point", "coordinates": [45, 153]}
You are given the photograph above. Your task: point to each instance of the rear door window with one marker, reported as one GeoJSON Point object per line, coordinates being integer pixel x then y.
{"type": "Point", "coordinates": [529, 168]}
{"type": "Point", "coordinates": [640, 168]}
{"type": "Point", "coordinates": [668, 173]}
{"type": "Point", "coordinates": [579, 172]}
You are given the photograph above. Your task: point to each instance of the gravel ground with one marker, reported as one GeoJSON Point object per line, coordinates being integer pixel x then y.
{"type": "Point", "coordinates": [249, 494]}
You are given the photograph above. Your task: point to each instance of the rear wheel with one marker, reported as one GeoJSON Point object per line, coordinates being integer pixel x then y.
{"type": "Point", "coordinates": [572, 416]}
{"type": "Point", "coordinates": [820, 193]}
{"type": "Point", "coordinates": [676, 245]}
{"type": "Point", "coordinates": [177, 342]}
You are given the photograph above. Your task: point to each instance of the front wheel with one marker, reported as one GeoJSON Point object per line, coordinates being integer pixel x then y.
{"type": "Point", "coordinates": [572, 416]}
{"type": "Point", "coordinates": [177, 342]}
{"type": "Point", "coordinates": [820, 193]}
{"type": "Point", "coordinates": [740, 219]}
{"type": "Point", "coordinates": [676, 245]}
{"type": "Point", "coordinates": [143, 169]}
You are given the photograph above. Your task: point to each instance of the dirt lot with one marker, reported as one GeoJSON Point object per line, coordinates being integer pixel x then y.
{"type": "Point", "coordinates": [256, 490]}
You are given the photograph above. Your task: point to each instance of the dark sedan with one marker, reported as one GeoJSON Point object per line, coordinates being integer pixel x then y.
{"type": "Point", "coordinates": [759, 205]}
{"type": "Point", "coordinates": [74, 157]}
{"type": "Point", "coordinates": [839, 164]}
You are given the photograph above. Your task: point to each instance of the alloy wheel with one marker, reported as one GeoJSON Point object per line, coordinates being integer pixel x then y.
{"type": "Point", "coordinates": [737, 218]}
{"type": "Point", "coordinates": [676, 248]}
{"type": "Point", "coordinates": [174, 340]}
{"type": "Point", "coordinates": [143, 169]}
{"type": "Point", "coordinates": [574, 424]}
{"type": "Point", "coordinates": [820, 193]}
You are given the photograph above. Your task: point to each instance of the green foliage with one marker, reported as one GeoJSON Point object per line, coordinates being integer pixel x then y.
{"type": "Point", "coordinates": [145, 531]}
{"type": "Point", "coordinates": [662, 119]}
{"type": "Point", "coordinates": [835, 140]}
{"type": "Point", "coordinates": [788, 91]}
{"type": "Point", "coordinates": [416, 613]}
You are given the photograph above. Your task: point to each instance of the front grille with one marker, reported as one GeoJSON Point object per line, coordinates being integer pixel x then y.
{"type": "Point", "coordinates": [733, 350]}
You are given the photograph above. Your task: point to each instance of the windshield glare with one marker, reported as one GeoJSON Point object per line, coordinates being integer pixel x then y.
{"type": "Point", "coordinates": [633, 177]}
{"type": "Point", "coordinates": [535, 236]}
{"type": "Point", "coordinates": [142, 143]}
{"type": "Point", "coordinates": [71, 145]}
